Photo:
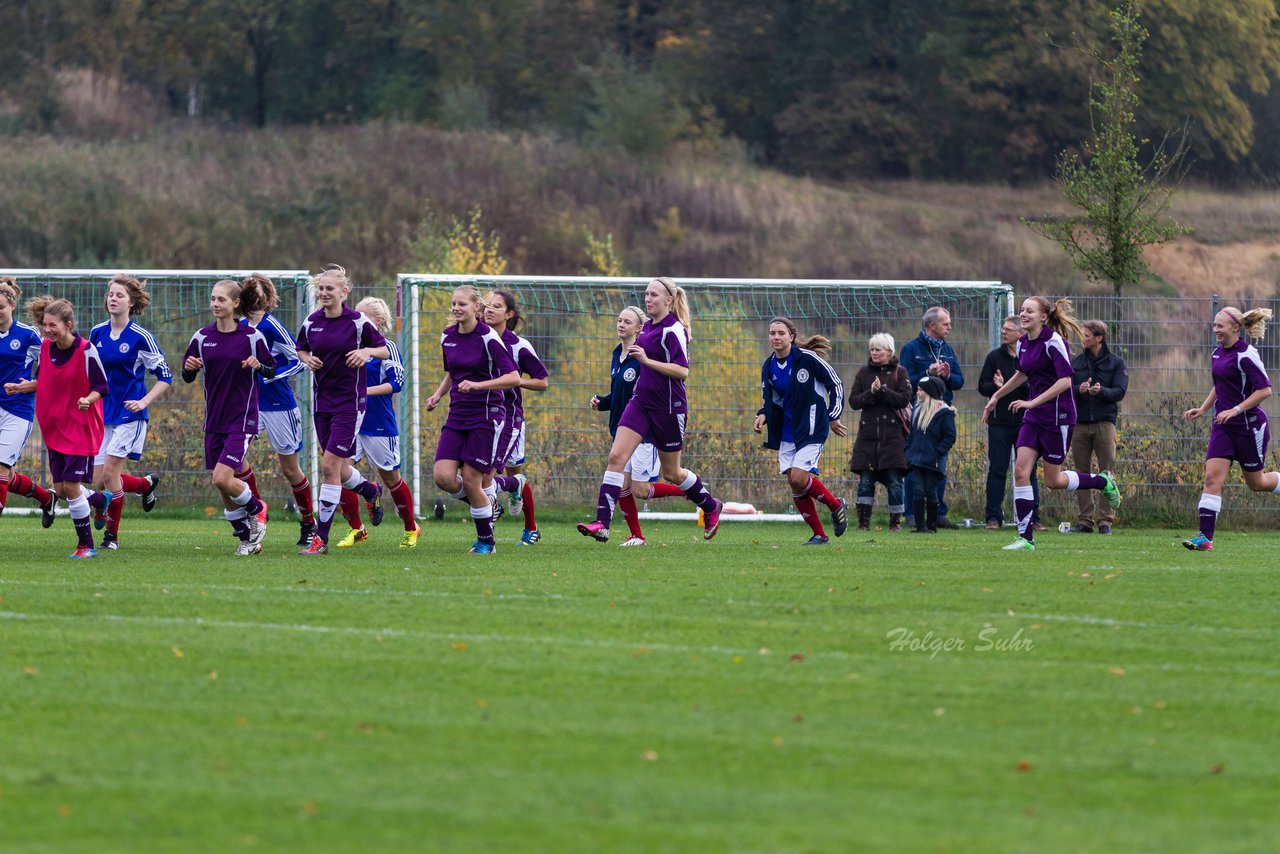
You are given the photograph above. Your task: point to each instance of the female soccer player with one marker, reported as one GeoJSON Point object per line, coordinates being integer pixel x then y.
{"type": "Point", "coordinates": [379, 437]}
{"type": "Point", "coordinates": [502, 314]}
{"type": "Point", "coordinates": [803, 400]}
{"type": "Point", "coordinates": [933, 432]}
{"type": "Point", "coordinates": [231, 353]}
{"type": "Point", "coordinates": [640, 474]}
{"type": "Point", "coordinates": [657, 410]}
{"type": "Point", "coordinates": [478, 369]}
{"type": "Point", "coordinates": [19, 356]}
{"type": "Point", "coordinates": [278, 409]}
{"type": "Point", "coordinates": [1240, 431]}
{"type": "Point", "coordinates": [127, 351]}
{"type": "Point", "coordinates": [335, 343]}
{"type": "Point", "coordinates": [1044, 364]}
{"type": "Point", "coordinates": [69, 385]}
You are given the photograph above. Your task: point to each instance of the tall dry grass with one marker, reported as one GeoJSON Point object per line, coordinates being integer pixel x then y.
{"type": "Point", "coordinates": [187, 196]}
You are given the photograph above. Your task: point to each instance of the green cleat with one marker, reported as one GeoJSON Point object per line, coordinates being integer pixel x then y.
{"type": "Point", "coordinates": [1020, 545]}
{"type": "Point", "coordinates": [1110, 490]}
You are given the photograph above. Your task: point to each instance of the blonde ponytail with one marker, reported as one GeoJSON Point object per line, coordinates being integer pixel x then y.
{"type": "Point", "coordinates": [679, 303]}
{"type": "Point", "coordinates": [1252, 323]}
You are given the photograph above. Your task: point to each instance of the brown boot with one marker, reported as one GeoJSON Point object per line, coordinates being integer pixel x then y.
{"type": "Point", "coordinates": [864, 517]}
{"type": "Point", "coordinates": [895, 522]}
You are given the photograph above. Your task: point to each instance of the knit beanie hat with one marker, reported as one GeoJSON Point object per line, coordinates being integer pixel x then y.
{"type": "Point", "coordinates": [933, 386]}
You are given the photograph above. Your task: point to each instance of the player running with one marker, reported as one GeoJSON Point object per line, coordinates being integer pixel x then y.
{"type": "Point", "coordinates": [335, 343]}
{"type": "Point", "coordinates": [379, 437]}
{"type": "Point", "coordinates": [230, 354]}
{"type": "Point", "coordinates": [1240, 431]}
{"type": "Point", "coordinates": [19, 357]}
{"type": "Point", "coordinates": [657, 410]}
{"type": "Point", "coordinates": [1044, 364]}
{"type": "Point", "coordinates": [127, 351]}
{"type": "Point", "coordinates": [478, 369]}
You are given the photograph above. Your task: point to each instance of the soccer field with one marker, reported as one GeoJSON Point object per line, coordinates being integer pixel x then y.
{"type": "Point", "coordinates": [888, 692]}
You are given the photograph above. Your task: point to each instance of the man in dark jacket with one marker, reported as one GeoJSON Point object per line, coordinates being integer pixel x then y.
{"type": "Point", "coordinates": [1100, 383]}
{"type": "Point", "coordinates": [1003, 425]}
{"type": "Point", "coordinates": [929, 355]}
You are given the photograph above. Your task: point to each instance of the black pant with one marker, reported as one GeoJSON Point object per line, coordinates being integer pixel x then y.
{"type": "Point", "coordinates": [927, 481]}
{"type": "Point", "coordinates": [1000, 441]}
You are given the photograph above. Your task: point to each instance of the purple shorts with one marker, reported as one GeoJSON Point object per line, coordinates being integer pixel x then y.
{"type": "Point", "coordinates": [230, 449]}
{"type": "Point", "coordinates": [337, 432]}
{"type": "Point", "coordinates": [664, 430]}
{"type": "Point", "coordinates": [1050, 441]}
{"type": "Point", "coordinates": [67, 468]}
{"type": "Point", "coordinates": [474, 446]}
{"type": "Point", "coordinates": [1245, 445]}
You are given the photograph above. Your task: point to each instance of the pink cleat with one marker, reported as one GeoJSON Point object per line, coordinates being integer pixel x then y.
{"type": "Point", "coordinates": [711, 521]}
{"type": "Point", "coordinates": [596, 530]}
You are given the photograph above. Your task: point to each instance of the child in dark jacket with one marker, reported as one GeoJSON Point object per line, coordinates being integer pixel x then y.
{"type": "Point", "coordinates": [933, 432]}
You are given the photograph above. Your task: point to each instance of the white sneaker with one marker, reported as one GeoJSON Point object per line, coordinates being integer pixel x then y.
{"type": "Point", "coordinates": [634, 541]}
{"type": "Point", "coordinates": [257, 531]}
{"type": "Point", "coordinates": [248, 547]}
{"type": "Point", "coordinates": [516, 503]}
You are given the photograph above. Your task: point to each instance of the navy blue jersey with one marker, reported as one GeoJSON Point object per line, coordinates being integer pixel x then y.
{"type": "Point", "coordinates": [126, 358]}
{"type": "Point", "coordinates": [780, 379]}
{"type": "Point", "coordinates": [623, 373]}
{"type": "Point", "coordinates": [19, 356]}
{"type": "Point", "coordinates": [380, 409]}
{"type": "Point", "coordinates": [276, 394]}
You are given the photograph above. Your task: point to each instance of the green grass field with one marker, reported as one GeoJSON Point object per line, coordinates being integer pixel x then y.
{"type": "Point", "coordinates": [741, 695]}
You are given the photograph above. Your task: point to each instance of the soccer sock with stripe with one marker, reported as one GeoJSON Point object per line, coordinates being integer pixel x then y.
{"type": "Point", "coordinates": [809, 512]}
{"type": "Point", "coordinates": [252, 480]}
{"type": "Point", "coordinates": [239, 520]}
{"type": "Point", "coordinates": [819, 491]}
{"type": "Point", "coordinates": [97, 500]}
{"type": "Point", "coordinates": [696, 492]}
{"type": "Point", "coordinates": [505, 482]}
{"type": "Point", "coordinates": [1084, 480]}
{"type": "Point", "coordinates": [80, 512]}
{"type": "Point", "coordinates": [246, 499]}
{"type": "Point", "coordinates": [483, 517]}
{"type": "Point", "coordinates": [631, 513]}
{"type": "Point", "coordinates": [330, 496]}
{"type": "Point", "coordinates": [302, 497]}
{"type": "Point", "coordinates": [114, 511]}
{"type": "Point", "coordinates": [24, 485]}
{"type": "Point", "coordinates": [134, 484]}
{"type": "Point", "coordinates": [610, 491]}
{"type": "Point", "coordinates": [526, 496]}
{"type": "Point", "coordinates": [1210, 507]}
{"type": "Point", "coordinates": [366, 489]}
{"type": "Point", "coordinates": [1024, 502]}
{"type": "Point", "coordinates": [402, 495]}
{"type": "Point", "coordinates": [351, 508]}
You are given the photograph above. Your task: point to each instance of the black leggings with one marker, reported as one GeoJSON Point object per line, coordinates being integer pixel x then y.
{"type": "Point", "coordinates": [926, 481]}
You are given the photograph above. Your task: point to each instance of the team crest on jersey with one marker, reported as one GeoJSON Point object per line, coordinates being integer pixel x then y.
{"type": "Point", "coordinates": [802, 375]}
{"type": "Point", "coordinates": [15, 344]}
{"type": "Point", "coordinates": [629, 374]}
{"type": "Point", "coordinates": [124, 348]}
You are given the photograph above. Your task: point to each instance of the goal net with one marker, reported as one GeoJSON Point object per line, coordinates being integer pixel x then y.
{"type": "Point", "coordinates": [570, 321]}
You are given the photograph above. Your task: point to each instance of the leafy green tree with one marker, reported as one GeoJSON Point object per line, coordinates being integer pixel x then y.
{"type": "Point", "coordinates": [1123, 201]}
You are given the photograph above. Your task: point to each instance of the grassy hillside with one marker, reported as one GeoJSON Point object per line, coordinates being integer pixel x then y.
{"type": "Point", "coordinates": [304, 196]}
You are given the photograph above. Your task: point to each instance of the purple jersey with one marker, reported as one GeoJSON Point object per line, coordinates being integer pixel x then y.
{"type": "Point", "coordinates": [477, 355]}
{"type": "Point", "coordinates": [527, 362]}
{"type": "Point", "coordinates": [1045, 361]}
{"type": "Point", "coordinates": [1238, 373]}
{"type": "Point", "coordinates": [230, 391]}
{"type": "Point", "coordinates": [336, 387]}
{"type": "Point", "coordinates": [663, 342]}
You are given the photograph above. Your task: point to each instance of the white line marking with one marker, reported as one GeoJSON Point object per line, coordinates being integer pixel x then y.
{"type": "Point", "coordinates": [293, 588]}
{"type": "Point", "coordinates": [1133, 624]}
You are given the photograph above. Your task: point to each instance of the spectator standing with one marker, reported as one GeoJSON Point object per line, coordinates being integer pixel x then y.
{"type": "Point", "coordinates": [880, 391]}
{"type": "Point", "coordinates": [1100, 382]}
{"type": "Point", "coordinates": [929, 355]}
{"type": "Point", "coordinates": [1002, 427]}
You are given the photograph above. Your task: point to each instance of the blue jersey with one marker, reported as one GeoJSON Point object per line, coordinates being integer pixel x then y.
{"type": "Point", "coordinates": [276, 394]}
{"type": "Point", "coordinates": [780, 379]}
{"type": "Point", "coordinates": [19, 355]}
{"type": "Point", "coordinates": [380, 409]}
{"type": "Point", "coordinates": [126, 358]}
